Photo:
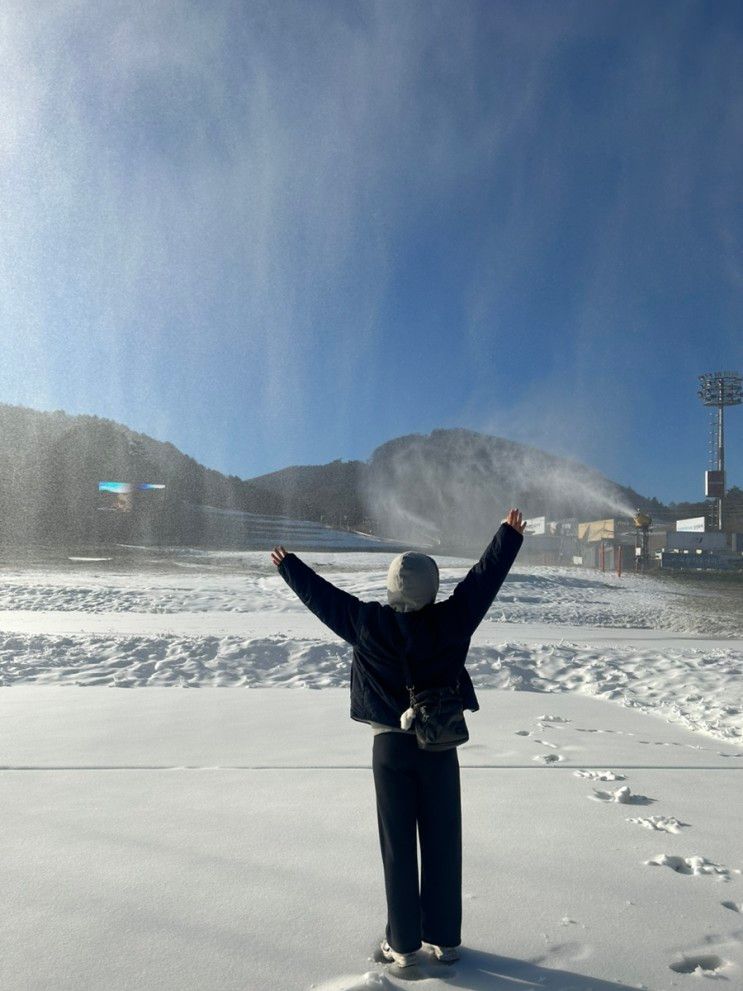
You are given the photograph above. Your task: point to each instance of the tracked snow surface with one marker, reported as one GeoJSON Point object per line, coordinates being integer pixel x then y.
{"type": "Point", "coordinates": [227, 839]}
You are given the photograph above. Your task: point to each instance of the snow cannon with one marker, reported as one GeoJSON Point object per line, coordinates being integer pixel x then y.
{"type": "Point", "coordinates": [641, 520]}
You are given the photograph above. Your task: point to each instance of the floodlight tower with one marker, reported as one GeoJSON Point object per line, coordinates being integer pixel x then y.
{"type": "Point", "coordinates": [718, 390]}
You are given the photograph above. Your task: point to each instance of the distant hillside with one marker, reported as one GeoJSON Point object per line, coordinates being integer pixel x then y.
{"type": "Point", "coordinates": [458, 482]}
{"type": "Point", "coordinates": [448, 488]}
{"type": "Point", "coordinates": [331, 493]}
{"type": "Point", "coordinates": [51, 463]}
{"type": "Point", "coordinates": [451, 486]}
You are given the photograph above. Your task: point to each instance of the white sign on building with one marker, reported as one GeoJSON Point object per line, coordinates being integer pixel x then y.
{"type": "Point", "coordinates": [693, 525]}
{"type": "Point", "coordinates": [537, 525]}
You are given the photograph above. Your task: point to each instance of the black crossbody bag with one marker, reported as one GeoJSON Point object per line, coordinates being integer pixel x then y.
{"type": "Point", "coordinates": [438, 715]}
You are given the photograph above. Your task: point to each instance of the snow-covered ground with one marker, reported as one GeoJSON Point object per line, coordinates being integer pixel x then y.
{"type": "Point", "coordinates": [231, 621]}
{"type": "Point", "coordinates": [225, 840]}
{"type": "Point", "coordinates": [213, 840]}
{"type": "Point", "coordinates": [239, 581]}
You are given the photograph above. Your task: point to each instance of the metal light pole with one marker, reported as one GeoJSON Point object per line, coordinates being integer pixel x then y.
{"type": "Point", "coordinates": [718, 390]}
{"type": "Point", "coordinates": [642, 541]}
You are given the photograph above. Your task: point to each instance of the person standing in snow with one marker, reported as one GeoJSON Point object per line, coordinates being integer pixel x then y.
{"type": "Point", "coordinates": [414, 787]}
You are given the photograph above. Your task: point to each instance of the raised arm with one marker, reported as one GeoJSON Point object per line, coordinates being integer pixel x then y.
{"type": "Point", "coordinates": [339, 610]}
{"type": "Point", "coordinates": [474, 595]}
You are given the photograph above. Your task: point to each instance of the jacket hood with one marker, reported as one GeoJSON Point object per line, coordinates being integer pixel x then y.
{"type": "Point", "coordinates": [412, 581]}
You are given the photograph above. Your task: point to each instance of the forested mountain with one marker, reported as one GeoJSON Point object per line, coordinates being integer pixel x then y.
{"type": "Point", "coordinates": [451, 486]}
{"type": "Point", "coordinates": [458, 482]}
{"type": "Point", "coordinates": [51, 464]}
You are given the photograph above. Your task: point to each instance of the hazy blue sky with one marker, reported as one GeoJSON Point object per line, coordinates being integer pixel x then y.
{"type": "Point", "coordinates": [282, 233]}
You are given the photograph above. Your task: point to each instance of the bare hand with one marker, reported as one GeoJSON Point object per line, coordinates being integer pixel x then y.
{"type": "Point", "coordinates": [514, 519]}
{"type": "Point", "coordinates": [277, 555]}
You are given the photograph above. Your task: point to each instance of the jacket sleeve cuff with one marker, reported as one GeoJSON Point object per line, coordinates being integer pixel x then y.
{"type": "Point", "coordinates": [283, 567]}
{"type": "Point", "coordinates": [511, 533]}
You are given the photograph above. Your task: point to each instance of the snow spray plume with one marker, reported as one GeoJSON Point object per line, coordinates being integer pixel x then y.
{"type": "Point", "coordinates": [456, 485]}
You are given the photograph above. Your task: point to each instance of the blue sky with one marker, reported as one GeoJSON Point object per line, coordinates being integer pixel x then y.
{"type": "Point", "coordinates": [283, 233]}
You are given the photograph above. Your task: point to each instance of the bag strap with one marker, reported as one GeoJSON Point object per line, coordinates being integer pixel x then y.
{"type": "Point", "coordinates": [409, 679]}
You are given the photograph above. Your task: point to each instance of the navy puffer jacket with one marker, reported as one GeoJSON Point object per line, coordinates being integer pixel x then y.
{"type": "Point", "coordinates": [435, 639]}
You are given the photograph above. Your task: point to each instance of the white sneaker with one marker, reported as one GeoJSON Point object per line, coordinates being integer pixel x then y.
{"type": "Point", "coordinates": [446, 954]}
{"type": "Point", "coordinates": [401, 959]}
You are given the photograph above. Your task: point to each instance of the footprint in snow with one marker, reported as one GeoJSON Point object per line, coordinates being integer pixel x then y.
{"type": "Point", "coordinates": [546, 743]}
{"type": "Point", "coordinates": [599, 775]}
{"type": "Point", "coordinates": [667, 824]}
{"type": "Point", "coordinates": [523, 732]}
{"type": "Point", "coordinates": [689, 865]}
{"type": "Point", "coordinates": [622, 795]}
{"type": "Point", "coordinates": [702, 963]}
{"type": "Point", "coordinates": [733, 906]}
{"type": "Point", "coordinates": [549, 758]}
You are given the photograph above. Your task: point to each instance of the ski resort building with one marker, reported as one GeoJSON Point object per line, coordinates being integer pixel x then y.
{"type": "Point", "coordinates": [615, 543]}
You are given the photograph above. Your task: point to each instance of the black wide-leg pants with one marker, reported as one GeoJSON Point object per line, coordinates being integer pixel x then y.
{"type": "Point", "coordinates": [419, 787]}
